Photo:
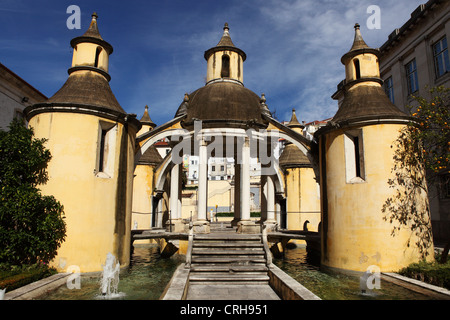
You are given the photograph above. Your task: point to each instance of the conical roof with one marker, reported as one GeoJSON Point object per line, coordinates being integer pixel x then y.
{"type": "Point", "coordinates": [364, 102]}
{"type": "Point", "coordinates": [292, 157]}
{"type": "Point", "coordinates": [145, 120]}
{"type": "Point", "coordinates": [225, 43]}
{"type": "Point", "coordinates": [358, 41]}
{"type": "Point", "coordinates": [89, 89]}
{"type": "Point", "coordinates": [150, 157]}
{"type": "Point", "coordinates": [92, 35]}
{"type": "Point", "coordinates": [359, 46]}
{"type": "Point", "coordinates": [293, 123]}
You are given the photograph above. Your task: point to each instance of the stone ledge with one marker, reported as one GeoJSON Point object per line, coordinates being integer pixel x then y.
{"type": "Point", "coordinates": [38, 288]}
{"type": "Point", "coordinates": [416, 285]}
{"type": "Point", "coordinates": [177, 287]}
{"type": "Point", "coordinates": [287, 287]}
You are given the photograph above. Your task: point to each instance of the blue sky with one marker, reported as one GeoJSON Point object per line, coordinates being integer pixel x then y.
{"type": "Point", "coordinates": [293, 47]}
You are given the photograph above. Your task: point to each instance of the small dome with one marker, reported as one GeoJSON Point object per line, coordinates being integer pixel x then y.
{"type": "Point", "coordinates": [292, 157]}
{"type": "Point", "coordinates": [224, 104]}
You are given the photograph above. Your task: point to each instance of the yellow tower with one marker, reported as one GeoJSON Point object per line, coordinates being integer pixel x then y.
{"type": "Point", "coordinates": [143, 185]}
{"type": "Point", "coordinates": [91, 139]}
{"type": "Point", "coordinates": [225, 61]}
{"type": "Point", "coordinates": [356, 159]}
{"type": "Point", "coordinates": [302, 192]}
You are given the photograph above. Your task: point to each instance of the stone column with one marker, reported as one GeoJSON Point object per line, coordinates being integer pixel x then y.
{"type": "Point", "coordinates": [270, 196]}
{"type": "Point", "coordinates": [246, 225]}
{"type": "Point", "coordinates": [237, 194]}
{"type": "Point", "coordinates": [202, 225]}
{"type": "Point", "coordinates": [175, 224]}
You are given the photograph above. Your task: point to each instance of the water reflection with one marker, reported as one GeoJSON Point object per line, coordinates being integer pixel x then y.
{"type": "Point", "coordinates": [305, 268]}
{"type": "Point", "coordinates": [145, 278]}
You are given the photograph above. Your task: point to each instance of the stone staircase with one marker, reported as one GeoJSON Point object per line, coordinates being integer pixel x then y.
{"type": "Point", "coordinates": [225, 257]}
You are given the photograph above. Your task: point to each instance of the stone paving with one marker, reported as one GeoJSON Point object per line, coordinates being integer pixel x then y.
{"type": "Point", "coordinates": [231, 292]}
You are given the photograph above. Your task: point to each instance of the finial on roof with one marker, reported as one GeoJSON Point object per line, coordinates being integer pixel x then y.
{"type": "Point", "coordinates": [293, 123]}
{"type": "Point", "coordinates": [265, 109]}
{"type": "Point", "coordinates": [225, 41]}
{"type": "Point", "coordinates": [94, 16]}
{"type": "Point", "coordinates": [146, 118]}
{"type": "Point", "coordinates": [263, 98]}
{"type": "Point", "coordinates": [358, 42]}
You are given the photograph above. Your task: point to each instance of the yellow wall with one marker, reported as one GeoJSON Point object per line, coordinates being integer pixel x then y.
{"type": "Point", "coordinates": [84, 55]}
{"type": "Point", "coordinates": [357, 236]}
{"type": "Point", "coordinates": [368, 63]}
{"type": "Point", "coordinates": [94, 226]}
{"type": "Point", "coordinates": [302, 199]}
{"type": "Point", "coordinates": [142, 197]}
{"type": "Point", "coordinates": [214, 66]}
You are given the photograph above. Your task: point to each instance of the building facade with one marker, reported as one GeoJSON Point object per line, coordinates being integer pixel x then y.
{"type": "Point", "coordinates": [413, 60]}
{"type": "Point", "coordinates": [15, 95]}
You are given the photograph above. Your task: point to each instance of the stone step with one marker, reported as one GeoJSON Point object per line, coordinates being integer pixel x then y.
{"type": "Point", "coordinates": [226, 237]}
{"type": "Point", "coordinates": [228, 283]}
{"type": "Point", "coordinates": [207, 244]}
{"type": "Point", "coordinates": [228, 268]}
{"type": "Point", "coordinates": [230, 260]}
{"type": "Point", "coordinates": [193, 277]}
{"type": "Point", "coordinates": [228, 251]}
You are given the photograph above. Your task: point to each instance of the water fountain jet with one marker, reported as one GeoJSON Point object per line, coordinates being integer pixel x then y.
{"type": "Point", "coordinates": [110, 278]}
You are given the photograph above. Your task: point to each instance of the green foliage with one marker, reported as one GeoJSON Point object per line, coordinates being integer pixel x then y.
{"type": "Point", "coordinates": [32, 226]}
{"type": "Point", "coordinates": [433, 129]}
{"type": "Point", "coordinates": [422, 146]}
{"type": "Point", "coordinates": [13, 277]}
{"type": "Point", "coordinates": [433, 273]}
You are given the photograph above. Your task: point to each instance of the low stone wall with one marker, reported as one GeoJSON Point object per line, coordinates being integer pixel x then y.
{"type": "Point", "coordinates": [177, 288]}
{"type": "Point", "coordinates": [37, 289]}
{"type": "Point", "coordinates": [287, 288]}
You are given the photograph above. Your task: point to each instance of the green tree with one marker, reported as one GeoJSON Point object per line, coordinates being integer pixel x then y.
{"type": "Point", "coordinates": [422, 147]}
{"type": "Point", "coordinates": [32, 225]}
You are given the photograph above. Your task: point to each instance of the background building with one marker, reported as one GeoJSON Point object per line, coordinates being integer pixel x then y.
{"type": "Point", "coordinates": [414, 59]}
{"type": "Point", "coordinates": [15, 95]}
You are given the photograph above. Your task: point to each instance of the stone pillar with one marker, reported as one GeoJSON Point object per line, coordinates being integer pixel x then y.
{"type": "Point", "coordinates": [245, 225]}
{"type": "Point", "coordinates": [237, 194]}
{"type": "Point", "coordinates": [202, 225]}
{"type": "Point", "coordinates": [270, 221]}
{"type": "Point", "coordinates": [175, 224]}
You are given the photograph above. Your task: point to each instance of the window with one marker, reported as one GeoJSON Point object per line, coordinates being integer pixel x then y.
{"type": "Point", "coordinates": [441, 59]}
{"type": "Point", "coordinates": [222, 168]}
{"type": "Point", "coordinates": [411, 77]}
{"type": "Point", "coordinates": [106, 149]}
{"type": "Point", "coordinates": [213, 168]}
{"type": "Point", "coordinates": [225, 66]}
{"type": "Point", "coordinates": [97, 55]}
{"type": "Point", "coordinates": [354, 156]}
{"type": "Point", "coordinates": [389, 88]}
{"type": "Point", "coordinates": [357, 68]}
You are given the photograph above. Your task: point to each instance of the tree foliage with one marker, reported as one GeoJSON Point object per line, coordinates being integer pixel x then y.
{"type": "Point", "coordinates": [32, 225]}
{"type": "Point", "coordinates": [422, 147]}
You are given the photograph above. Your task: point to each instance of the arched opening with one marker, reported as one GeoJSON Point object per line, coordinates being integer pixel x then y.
{"type": "Point", "coordinates": [97, 55]}
{"type": "Point", "coordinates": [225, 73]}
{"type": "Point", "coordinates": [357, 68]}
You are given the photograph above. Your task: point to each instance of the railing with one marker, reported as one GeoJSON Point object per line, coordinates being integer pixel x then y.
{"type": "Point", "coordinates": [266, 246]}
{"type": "Point", "coordinates": [190, 245]}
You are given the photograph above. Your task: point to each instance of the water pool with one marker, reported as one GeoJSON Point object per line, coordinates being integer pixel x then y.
{"type": "Point", "coordinates": [337, 286]}
{"type": "Point", "coordinates": [148, 275]}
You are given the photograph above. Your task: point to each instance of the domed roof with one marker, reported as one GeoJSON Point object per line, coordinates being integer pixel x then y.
{"type": "Point", "coordinates": [223, 104]}
{"type": "Point", "coordinates": [292, 157]}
